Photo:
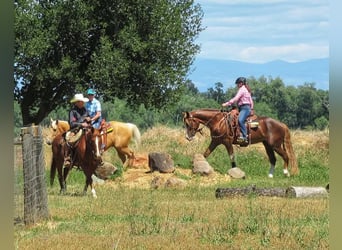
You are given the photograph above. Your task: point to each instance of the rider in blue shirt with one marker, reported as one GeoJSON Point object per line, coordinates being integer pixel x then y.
{"type": "Point", "coordinates": [93, 107]}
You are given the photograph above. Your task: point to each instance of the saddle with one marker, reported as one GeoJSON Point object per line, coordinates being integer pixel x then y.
{"type": "Point", "coordinates": [251, 123]}
{"type": "Point", "coordinates": [105, 127]}
{"type": "Point", "coordinates": [73, 135]}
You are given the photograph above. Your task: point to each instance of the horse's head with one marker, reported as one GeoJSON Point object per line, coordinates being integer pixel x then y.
{"type": "Point", "coordinates": [53, 125]}
{"type": "Point", "coordinates": [94, 139]}
{"type": "Point", "coordinates": [191, 125]}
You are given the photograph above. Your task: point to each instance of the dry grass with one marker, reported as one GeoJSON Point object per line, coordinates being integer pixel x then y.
{"type": "Point", "coordinates": [128, 214]}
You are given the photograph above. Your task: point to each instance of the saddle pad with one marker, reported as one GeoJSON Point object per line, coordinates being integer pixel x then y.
{"type": "Point", "coordinates": [253, 124]}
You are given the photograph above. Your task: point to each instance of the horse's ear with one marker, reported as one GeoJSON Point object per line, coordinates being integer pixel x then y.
{"type": "Point", "coordinates": [185, 114]}
{"type": "Point", "coordinates": [51, 120]}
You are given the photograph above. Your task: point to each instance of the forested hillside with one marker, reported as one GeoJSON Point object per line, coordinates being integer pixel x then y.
{"type": "Point", "coordinates": [303, 107]}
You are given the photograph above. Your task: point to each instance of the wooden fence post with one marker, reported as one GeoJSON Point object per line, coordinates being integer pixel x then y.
{"type": "Point", "coordinates": [35, 194]}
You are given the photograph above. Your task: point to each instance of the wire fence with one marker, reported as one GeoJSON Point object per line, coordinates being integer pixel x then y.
{"type": "Point", "coordinates": [30, 191]}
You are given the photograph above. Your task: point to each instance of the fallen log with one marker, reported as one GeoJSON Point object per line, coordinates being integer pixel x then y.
{"type": "Point", "coordinates": [226, 192]}
{"type": "Point", "coordinates": [298, 192]}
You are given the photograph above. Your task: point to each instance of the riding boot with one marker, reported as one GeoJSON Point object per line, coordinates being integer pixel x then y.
{"type": "Point", "coordinates": [67, 158]}
{"type": "Point", "coordinates": [67, 161]}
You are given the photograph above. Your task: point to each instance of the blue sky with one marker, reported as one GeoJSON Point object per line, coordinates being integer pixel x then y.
{"type": "Point", "coordinates": [259, 31]}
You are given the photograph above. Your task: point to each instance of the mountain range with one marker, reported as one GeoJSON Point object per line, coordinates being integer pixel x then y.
{"type": "Point", "coordinates": [206, 72]}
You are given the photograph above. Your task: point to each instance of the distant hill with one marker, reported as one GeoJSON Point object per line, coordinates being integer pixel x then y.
{"type": "Point", "coordinates": [207, 72]}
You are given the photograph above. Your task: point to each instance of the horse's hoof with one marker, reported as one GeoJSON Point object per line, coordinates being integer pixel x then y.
{"type": "Point", "coordinates": [270, 175]}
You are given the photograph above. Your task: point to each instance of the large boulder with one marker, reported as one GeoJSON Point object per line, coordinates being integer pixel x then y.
{"type": "Point", "coordinates": [105, 170]}
{"type": "Point", "coordinates": [201, 166]}
{"type": "Point", "coordinates": [161, 162]}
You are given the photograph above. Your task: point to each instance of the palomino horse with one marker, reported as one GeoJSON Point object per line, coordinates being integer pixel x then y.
{"type": "Point", "coordinates": [86, 155]}
{"type": "Point", "coordinates": [119, 138]}
{"type": "Point", "coordinates": [224, 130]}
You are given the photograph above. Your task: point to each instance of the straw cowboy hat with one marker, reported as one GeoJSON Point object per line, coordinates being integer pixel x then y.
{"type": "Point", "coordinates": [79, 97]}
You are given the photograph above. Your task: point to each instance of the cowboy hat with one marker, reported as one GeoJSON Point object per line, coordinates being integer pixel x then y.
{"type": "Point", "coordinates": [79, 97]}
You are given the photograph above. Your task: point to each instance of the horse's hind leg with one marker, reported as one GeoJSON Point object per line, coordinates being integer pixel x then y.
{"type": "Point", "coordinates": [126, 155]}
{"type": "Point", "coordinates": [285, 157]}
{"type": "Point", "coordinates": [271, 157]}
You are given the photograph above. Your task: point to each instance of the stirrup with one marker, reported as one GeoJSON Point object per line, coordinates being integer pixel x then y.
{"type": "Point", "coordinates": [67, 162]}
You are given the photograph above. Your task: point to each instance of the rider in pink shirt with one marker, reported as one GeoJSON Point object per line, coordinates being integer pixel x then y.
{"type": "Point", "coordinates": [245, 103]}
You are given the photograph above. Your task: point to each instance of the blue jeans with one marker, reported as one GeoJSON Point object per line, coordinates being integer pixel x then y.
{"type": "Point", "coordinates": [244, 111]}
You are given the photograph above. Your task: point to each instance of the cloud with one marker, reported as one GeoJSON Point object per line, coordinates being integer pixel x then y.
{"type": "Point", "coordinates": [260, 53]}
{"type": "Point", "coordinates": [267, 30]}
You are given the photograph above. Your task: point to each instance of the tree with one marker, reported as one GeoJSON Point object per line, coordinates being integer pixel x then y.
{"type": "Point", "coordinates": [308, 103]}
{"type": "Point", "coordinates": [217, 94]}
{"type": "Point", "coordinates": [137, 50]}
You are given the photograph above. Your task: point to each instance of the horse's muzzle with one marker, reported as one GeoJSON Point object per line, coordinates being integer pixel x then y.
{"type": "Point", "coordinates": [189, 138]}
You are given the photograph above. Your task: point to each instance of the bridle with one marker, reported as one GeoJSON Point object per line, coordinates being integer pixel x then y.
{"type": "Point", "coordinates": [206, 124]}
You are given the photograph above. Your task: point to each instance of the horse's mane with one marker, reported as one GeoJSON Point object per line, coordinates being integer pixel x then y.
{"type": "Point", "coordinates": [209, 110]}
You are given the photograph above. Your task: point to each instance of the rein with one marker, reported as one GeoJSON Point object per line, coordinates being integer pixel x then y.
{"type": "Point", "coordinates": [206, 124]}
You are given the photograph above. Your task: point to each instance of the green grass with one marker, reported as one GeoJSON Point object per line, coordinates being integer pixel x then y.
{"type": "Point", "coordinates": [189, 217]}
{"type": "Point", "coordinates": [174, 219]}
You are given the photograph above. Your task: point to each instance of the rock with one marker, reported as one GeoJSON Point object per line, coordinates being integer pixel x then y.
{"type": "Point", "coordinates": [105, 170]}
{"type": "Point", "coordinates": [157, 182]}
{"type": "Point", "coordinates": [236, 173]}
{"type": "Point", "coordinates": [161, 162]}
{"type": "Point", "coordinates": [97, 180]}
{"type": "Point", "coordinates": [175, 182]}
{"type": "Point", "coordinates": [201, 166]}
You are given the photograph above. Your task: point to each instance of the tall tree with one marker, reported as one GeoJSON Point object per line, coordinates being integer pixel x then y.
{"type": "Point", "coordinates": [136, 50]}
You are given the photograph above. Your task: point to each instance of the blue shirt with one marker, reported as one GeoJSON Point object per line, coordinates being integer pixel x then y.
{"type": "Point", "coordinates": [93, 107]}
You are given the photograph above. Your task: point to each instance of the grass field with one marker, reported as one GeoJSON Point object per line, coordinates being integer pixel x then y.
{"type": "Point", "coordinates": [129, 214]}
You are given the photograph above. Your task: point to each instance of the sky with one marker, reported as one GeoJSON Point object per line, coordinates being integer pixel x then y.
{"type": "Point", "coordinates": [260, 31]}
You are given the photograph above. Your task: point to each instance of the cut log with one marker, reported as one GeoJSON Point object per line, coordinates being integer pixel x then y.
{"type": "Point", "coordinates": [304, 192]}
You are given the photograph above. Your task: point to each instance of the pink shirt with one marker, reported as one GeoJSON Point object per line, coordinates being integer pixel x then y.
{"type": "Point", "coordinates": [242, 97]}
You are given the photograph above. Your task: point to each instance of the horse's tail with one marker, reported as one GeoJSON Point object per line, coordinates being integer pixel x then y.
{"type": "Point", "coordinates": [136, 134]}
{"type": "Point", "coordinates": [289, 149]}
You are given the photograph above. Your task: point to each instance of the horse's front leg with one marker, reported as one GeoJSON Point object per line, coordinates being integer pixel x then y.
{"type": "Point", "coordinates": [230, 151]}
{"type": "Point", "coordinates": [213, 144]}
{"type": "Point", "coordinates": [61, 179]}
{"type": "Point", "coordinates": [89, 182]}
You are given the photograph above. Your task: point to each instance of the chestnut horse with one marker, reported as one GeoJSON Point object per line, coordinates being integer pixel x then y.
{"type": "Point", "coordinates": [86, 155]}
{"type": "Point", "coordinates": [119, 138]}
{"type": "Point", "coordinates": [224, 130]}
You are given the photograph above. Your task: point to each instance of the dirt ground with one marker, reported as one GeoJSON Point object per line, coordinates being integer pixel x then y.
{"type": "Point", "coordinates": [140, 176]}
